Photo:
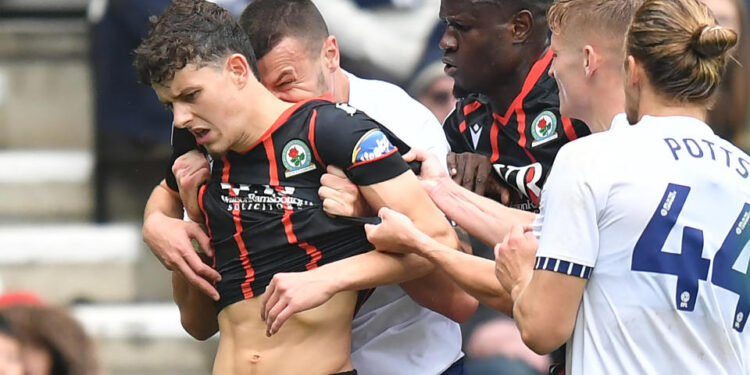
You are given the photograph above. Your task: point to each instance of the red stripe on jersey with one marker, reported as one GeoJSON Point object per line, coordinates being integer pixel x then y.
{"type": "Point", "coordinates": [531, 79]}
{"type": "Point", "coordinates": [311, 138]}
{"type": "Point", "coordinates": [517, 105]}
{"type": "Point", "coordinates": [462, 126]}
{"type": "Point", "coordinates": [247, 291]}
{"type": "Point", "coordinates": [568, 127]}
{"type": "Point", "coordinates": [311, 250]}
{"type": "Point", "coordinates": [372, 160]}
{"type": "Point", "coordinates": [494, 131]}
{"type": "Point", "coordinates": [201, 193]}
{"type": "Point", "coordinates": [469, 108]}
{"type": "Point", "coordinates": [284, 117]}
{"type": "Point", "coordinates": [529, 178]}
{"type": "Point", "coordinates": [273, 169]}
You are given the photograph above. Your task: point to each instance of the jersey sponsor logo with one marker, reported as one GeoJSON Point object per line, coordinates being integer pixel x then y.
{"type": "Point", "coordinates": [525, 179]}
{"type": "Point", "coordinates": [264, 198]}
{"type": "Point", "coordinates": [297, 158]}
{"type": "Point", "coordinates": [346, 108]}
{"type": "Point", "coordinates": [372, 145]}
{"type": "Point", "coordinates": [476, 133]}
{"type": "Point", "coordinates": [544, 128]}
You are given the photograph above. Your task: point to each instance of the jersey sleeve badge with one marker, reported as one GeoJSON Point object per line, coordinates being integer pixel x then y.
{"type": "Point", "coordinates": [374, 144]}
{"type": "Point", "coordinates": [544, 128]}
{"type": "Point", "coordinates": [297, 158]}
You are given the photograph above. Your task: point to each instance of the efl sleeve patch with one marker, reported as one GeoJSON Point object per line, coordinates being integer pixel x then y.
{"type": "Point", "coordinates": [561, 266]}
{"type": "Point", "coordinates": [371, 146]}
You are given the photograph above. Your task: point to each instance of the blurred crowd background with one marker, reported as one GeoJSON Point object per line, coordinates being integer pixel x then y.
{"type": "Point", "coordinates": [82, 145]}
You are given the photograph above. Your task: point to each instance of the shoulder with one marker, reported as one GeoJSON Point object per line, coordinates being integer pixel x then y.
{"type": "Point", "coordinates": [386, 100]}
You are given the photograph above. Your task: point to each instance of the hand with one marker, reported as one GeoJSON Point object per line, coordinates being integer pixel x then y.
{"type": "Point", "coordinates": [396, 232]}
{"type": "Point", "coordinates": [514, 259]}
{"type": "Point", "coordinates": [191, 170]}
{"type": "Point", "coordinates": [340, 196]}
{"type": "Point", "coordinates": [432, 170]}
{"type": "Point", "coordinates": [170, 241]}
{"type": "Point", "coordinates": [290, 293]}
{"type": "Point", "coordinates": [472, 171]}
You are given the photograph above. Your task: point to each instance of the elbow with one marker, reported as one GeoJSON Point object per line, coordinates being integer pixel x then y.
{"type": "Point", "coordinates": [201, 331]}
{"type": "Point", "coordinates": [543, 339]}
{"type": "Point", "coordinates": [463, 309]}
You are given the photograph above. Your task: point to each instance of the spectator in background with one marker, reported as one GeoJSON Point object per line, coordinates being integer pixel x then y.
{"type": "Point", "coordinates": [433, 88]}
{"type": "Point", "coordinates": [10, 350]}
{"type": "Point", "coordinates": [52, 342]}
{"type": "Point", "coordinates": [729, 116]}
{"type": "Point", "coordinates": [132, 144]}
{"type": "Point", "coordinates": [382, 39]}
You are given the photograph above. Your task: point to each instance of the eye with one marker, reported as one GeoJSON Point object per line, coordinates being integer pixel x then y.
{"type": "Point", "coordinates": [190, 97]}
{"type": "Point", "coordinates": [456, 26]}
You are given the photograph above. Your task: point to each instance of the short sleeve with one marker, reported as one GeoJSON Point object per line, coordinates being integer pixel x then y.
{"type": "Point", "coordinates": [357, 144]}
{"type": "Point", "coordinates": [569, 239]}
{"type": "Point", "coordinates": [452, 132]}
{"type": "Point", "coordinates": [182, 142]}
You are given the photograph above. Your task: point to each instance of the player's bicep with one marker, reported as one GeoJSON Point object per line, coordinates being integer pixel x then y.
{"type": "Point", "coordinates": [356, 144]}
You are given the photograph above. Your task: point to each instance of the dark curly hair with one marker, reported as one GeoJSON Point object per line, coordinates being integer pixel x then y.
{"type": "Point", "coordinates": [190, 32]}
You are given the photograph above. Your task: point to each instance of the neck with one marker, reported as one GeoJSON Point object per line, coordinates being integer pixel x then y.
{"type": "Point", "coordinates": [606, 103]}
{"type": "Point", "coordinates": [652, 104]}
{"type": "Point", "coordinates": [262, 111]}
{"type": "Point", "coordinates": [503, 93]}
{"type": "Point", "coordinates": [340, 86]}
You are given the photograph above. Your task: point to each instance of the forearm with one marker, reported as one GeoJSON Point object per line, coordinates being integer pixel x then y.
{"type": "Point", "coordinates": [473, 274]}
{"type": "Point", "coordinates": [197, 310]}
{"type": "Point", "coordinates": [544, 329]}
{"type": "Point", "coordinates": [483, 218]}
{"type": "Point", "coordinates": [163, 201]}
{"type": "Point", "coordinates": [373, 269]}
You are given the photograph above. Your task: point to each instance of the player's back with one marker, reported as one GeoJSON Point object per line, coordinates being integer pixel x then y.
{"type": "Point", "coordinates": [670, 290]}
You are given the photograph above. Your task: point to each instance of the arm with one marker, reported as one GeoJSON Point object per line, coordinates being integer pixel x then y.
{"type": "Point", "coordinates": [197, 311]}
{"type": "Point", "coordinates": [289, 293]}
{"type": "Point", "coordinates": [169, 238]}
{"type": "Point", "coordinates": [472, 273]}
{"type": "Point", "coordinates": [533, 292]}
{"type": "Point", "coordinates": [434, 289]}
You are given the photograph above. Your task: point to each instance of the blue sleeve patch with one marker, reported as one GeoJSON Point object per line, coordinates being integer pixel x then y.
{"type": "Point", "coordinates": [561, 266]}
{"type": "Point", "coordinates": [372, 145]}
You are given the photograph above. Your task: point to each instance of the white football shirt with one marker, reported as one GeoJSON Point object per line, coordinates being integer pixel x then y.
{"type": "Point", "coordinates": [392, 334]}
{"type": "Point", "coordinates": [655, 215]}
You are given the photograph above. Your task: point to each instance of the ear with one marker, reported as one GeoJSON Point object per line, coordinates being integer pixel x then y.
{"type": "Point", "coordinates": [590, 61]}
{"type": "Point", "coordinates": [238, 69]}
{"type": "Point", "coordinates": [331, 53]}
{"type": "Point", "coordinates": [633, 72]}
{"type": "Point", "coordinates": [522, 24]}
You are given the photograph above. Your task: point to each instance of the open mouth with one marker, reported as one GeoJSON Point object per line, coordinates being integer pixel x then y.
{"type": "Point", "coordinates": [200, 135]}
{"type": "Point", "coordinates": [449, 69]}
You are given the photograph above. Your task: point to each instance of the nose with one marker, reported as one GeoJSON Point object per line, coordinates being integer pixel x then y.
{"type": "Point", "coordinates": [448, 41]}
{"type": "Point", "coordinates": [182, 115]}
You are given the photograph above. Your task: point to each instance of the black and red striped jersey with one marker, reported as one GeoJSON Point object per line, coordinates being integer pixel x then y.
{"type": "Point", "coordinates": [523, 142]}
{"type": "Point", "coordinates": [262, 208]}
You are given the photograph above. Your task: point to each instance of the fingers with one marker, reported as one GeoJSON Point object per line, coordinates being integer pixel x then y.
{"type": "Point", "coordinates": [333, 202]}
{"type": "Point", "coordinates": [269, 299]}
{"type": "Point", "coordinates": [195, 232]}
{"type": "Point", "coordinates": [504, 194]}
{"type": "Point", "coordinates": [335, 171]}
{"type": "Point", "coordinates": [415, 154]}
{"type": "Point", "coordinates": [281, 318]}
{"type": "Point", "coordinates": [200, 283]}
{"type": "Point", "coordinates": [483, 169]}
{"type": "Point", "coordinates": [452, 165]}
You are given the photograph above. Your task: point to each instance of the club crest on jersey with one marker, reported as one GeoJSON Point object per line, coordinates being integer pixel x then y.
{"type": "Point", "coordinates": [544, 128]}
{"type": "Point", "coordinates": [297, 158]}
{"type": "Point", "coordinates": [372, 145]}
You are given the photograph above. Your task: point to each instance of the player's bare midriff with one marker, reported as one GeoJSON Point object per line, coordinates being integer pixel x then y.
{"type": "Point", "coordinates": [314, 342]}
